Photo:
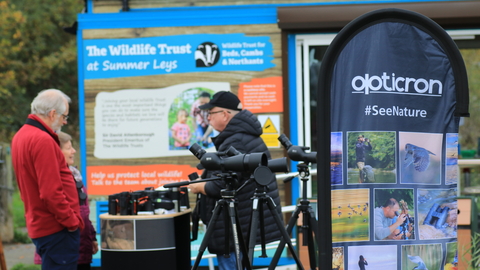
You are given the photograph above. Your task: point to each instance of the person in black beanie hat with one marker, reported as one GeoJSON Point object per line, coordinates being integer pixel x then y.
{"type": "Point", "coordinates": [241, 129]}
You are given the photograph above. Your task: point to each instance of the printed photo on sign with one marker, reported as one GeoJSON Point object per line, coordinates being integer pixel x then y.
{"type": "Point", "coordinates": [422, 257]}
{"type": "Point", "coordinates": [372, 257]}
{"type": "Point", "coordinates": [451, 159]}
{"type": "Point", "coordinates": [337, 258]}
{"type": "Point", "coordinates": [394, 214]}
{"type": "Point", "coordinates": [350, 215]}
{"type": "Point", "coordinates": [135, 123]}
{"type": "Point", "coordinates": [336, 160]}
{"type": "Point", "coordinates": [451, 262]}
{"type": "Point", "coordinates": [117, 234]}
{"type": "Point", "coordinates": [371, 157]}
{"type": "Point", "coordinates": [420, 158]}
{"type": "Point", "coordinates": [188, 123]}
{"type": "Point", "coordinates": [437, 213]}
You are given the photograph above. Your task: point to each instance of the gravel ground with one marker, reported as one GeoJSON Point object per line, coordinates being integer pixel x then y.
{"type": "Point", "coordinates": [18, 253]}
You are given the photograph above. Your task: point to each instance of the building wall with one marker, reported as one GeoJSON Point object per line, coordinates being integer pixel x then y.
{"type": "Point", "coordinates": [113, 6]}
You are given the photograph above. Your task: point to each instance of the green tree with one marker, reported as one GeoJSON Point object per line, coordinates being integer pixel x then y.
{"type": "Point", "coordinates": [470, 131]}
{"type": "Point", "coordinates": [36, 54]}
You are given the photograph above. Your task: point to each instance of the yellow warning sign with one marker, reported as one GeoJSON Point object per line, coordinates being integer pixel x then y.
{"type": "Point", "coordinates": [271, 140]}
{"type": "Point", "coordinates": [269, 127]}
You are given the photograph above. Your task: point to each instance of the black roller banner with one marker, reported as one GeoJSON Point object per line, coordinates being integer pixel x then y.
{"type": "Point", "coordinates": [393, 86]}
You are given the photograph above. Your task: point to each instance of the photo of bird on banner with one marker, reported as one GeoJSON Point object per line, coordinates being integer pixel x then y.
{"type": "Point", "coordinates": [418, 156]}
{"type": "Point", "coordinates": [422, 257]}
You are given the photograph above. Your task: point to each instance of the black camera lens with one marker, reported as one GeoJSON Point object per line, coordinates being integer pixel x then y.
{"type": "Point", "coordinates": [197, 150]}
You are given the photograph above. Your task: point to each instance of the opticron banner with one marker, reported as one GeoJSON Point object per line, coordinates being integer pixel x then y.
{"type": "Point", "coordinates": [397, 87]}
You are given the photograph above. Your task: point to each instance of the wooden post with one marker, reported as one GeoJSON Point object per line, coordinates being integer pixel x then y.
{"type": "Point", "coordinates": [6, 190]}
{"type": "Point", "coordinates": [3, 263]}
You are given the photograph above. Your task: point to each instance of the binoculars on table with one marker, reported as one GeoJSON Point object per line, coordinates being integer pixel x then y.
{"type": "Point", "coordinates": [148, 201]}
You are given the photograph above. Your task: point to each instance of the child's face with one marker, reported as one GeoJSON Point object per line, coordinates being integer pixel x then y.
{"type": "Point", "coordinates": [204, 100]}
{"type": "Point", "coordinates": [182, 117]}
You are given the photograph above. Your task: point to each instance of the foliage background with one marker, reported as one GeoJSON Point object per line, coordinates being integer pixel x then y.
{"type": "Point", "coordinates": [469, 133]}
{"type": "Point", "coordinates": [35, 54]}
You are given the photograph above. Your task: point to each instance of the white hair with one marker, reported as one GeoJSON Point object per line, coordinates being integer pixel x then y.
{"type": "Point", "coordinates": [48, 100]}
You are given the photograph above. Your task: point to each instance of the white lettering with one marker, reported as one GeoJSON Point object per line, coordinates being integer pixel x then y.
{"type": "Point", "coordinates": [175, 49]}
{"type": "Point", "coordinates": [397, 111]}
{"type": "Point", "coordinates": [404, 85]}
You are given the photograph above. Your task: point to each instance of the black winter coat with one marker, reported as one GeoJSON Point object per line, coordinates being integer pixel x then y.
{"type": "Point", "coordinates": [243, 133]}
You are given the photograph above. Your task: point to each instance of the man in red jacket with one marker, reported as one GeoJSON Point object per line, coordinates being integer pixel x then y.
{"type": "Point", "coordinates": [47, 186]}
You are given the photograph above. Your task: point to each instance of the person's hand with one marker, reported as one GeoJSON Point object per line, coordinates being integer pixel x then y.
{"type": "Point", "coordinates": [198, 188]}
{"type": "Point", "coordinates": [400, 219]}
{"type": "Point", "coordinates": [94, 247]}
{"type": "Point", "coordinates": [398, 235]}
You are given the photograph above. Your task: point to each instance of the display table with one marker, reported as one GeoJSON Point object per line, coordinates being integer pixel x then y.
{"type": "Point", "coordinates": [139, 241]}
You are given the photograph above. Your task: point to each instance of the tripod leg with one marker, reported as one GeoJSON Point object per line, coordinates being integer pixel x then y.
{"type": "Point", "coordinates": [312, 226]}
{"type": "Point", "coordinates": [208, 233]}
{"type": "Point", "coordinates": [226, 217]}
{"type": "Point", "coordinates": [262, 230]}
{"type": "Point", "coordinates": [240, 247]}
{"type": "Point", "coordinates": [281, 246]}
{"type": "Point", "coordinates": [313, 220]}
{"type": "Point", "coordinates": [286, 237]}
{"type": "Point", "coordinates": [253, 231]}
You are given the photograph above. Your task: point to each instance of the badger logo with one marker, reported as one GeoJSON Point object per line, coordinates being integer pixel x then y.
{"type": "Point", "coordinates": [207, 54]}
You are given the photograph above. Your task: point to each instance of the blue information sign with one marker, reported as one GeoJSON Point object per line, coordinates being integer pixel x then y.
{"type": "Point", "coordinates": [113, 58]}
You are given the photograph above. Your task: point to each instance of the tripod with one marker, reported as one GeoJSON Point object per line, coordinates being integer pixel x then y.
{"type": "Point", "coordinates": [309, 224]}
{"type": "Point", "coordinates": [261, 197]}
{"type": "Point", "coordinates": [228, 204]}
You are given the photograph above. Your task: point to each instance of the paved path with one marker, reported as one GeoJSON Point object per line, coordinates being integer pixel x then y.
{"type": "Point", "coordinates": [18, 253]}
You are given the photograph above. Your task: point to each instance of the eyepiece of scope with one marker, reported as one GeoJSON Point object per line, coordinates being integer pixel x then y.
{"type": "Point", "coordinates": [232, 152]}
{"type": "Point", "coordinates": [285, 141]}
{"type": "Point", "coordinates": [197, 150]}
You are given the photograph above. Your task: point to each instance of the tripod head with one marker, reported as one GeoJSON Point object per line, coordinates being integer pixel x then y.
{"type": "Point", "coordinates": [297, 153]}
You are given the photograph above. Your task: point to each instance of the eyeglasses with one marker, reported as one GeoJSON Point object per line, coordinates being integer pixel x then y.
{"type": "Point", "coordinates": [65, 117]}
{"type": "Point", "coordinates": [210, 112]}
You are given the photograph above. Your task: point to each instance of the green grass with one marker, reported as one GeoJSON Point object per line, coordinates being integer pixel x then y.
{"type": "Point", "coordinates": [18, 210]}
{"type": "Point", "coordinates": [22, 266]}
{"type": "Point", "coordinates": [474, 250]}
{"type": "Point", "coordinates": [19, 235]}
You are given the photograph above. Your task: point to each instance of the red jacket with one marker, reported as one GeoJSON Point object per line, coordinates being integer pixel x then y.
{"type": "Point", "coordinates": [46, 184]}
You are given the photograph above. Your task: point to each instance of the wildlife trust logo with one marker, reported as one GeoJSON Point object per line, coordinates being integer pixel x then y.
{"type": "Point", "coordinates": [207, 54]}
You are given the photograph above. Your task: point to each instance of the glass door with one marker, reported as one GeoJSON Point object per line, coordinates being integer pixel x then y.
{"type": "Point", "coordinates": [309, 51]}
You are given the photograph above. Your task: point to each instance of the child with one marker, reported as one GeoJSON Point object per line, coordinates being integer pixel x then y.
{"type": "Point", "coordinates": [181, 131]}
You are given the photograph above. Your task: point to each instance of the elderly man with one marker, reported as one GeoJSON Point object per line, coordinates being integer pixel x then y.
{"type": "Point", "coordinates": [240, 129]}
{"type": "Point", "coordinates": [47, 186]}
{"type": "Point", "coordinates": [384, 227]}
